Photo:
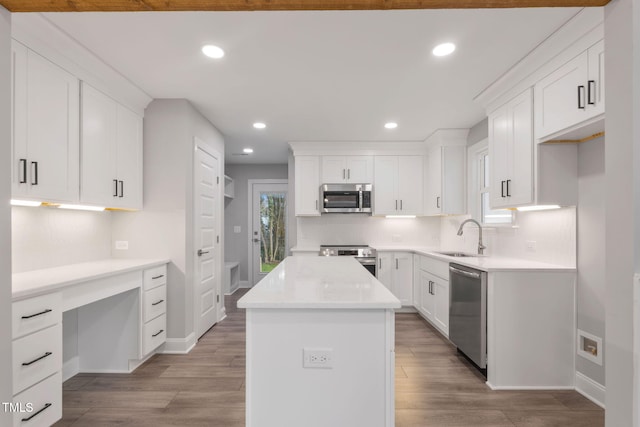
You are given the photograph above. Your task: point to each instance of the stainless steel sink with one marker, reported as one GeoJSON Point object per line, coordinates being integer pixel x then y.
{"type": "Point", "coordinates": [458, 254]}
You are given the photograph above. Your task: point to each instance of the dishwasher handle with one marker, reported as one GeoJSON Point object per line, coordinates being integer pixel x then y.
{"type": "Point", "coordinates": [465, 273]}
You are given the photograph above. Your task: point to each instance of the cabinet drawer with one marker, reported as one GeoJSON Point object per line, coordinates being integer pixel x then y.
{"type": "Point", "coordinates": [435, 267]}
{"type": "Point", "coordinates": [36, 356]}
{"type": "Point", "coordinates": [154, 333]}
{"type": "Point", "coordinates": [45, 399]}
{"type": "Point", "coordinates": [155, 277]}
{"type": "Point", "coordinates": [33, 314]}
{"type": "Point", "coordinates": [155, 303]}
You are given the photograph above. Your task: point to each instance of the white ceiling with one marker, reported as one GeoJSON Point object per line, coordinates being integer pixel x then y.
{"type": "Point", "coordinates": [317, 76]}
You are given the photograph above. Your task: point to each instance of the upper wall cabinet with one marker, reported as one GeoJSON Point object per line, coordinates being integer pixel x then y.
{"type": "Point", "coordinates": [46, 115]}
{"type": "Point", "coordinates": [342, 169]}
{"type": "Point", "coordinates": [307, 185]}
{"type": "Point", "coordinates": [570, 95]}
{"type": "Point", "coordinates": [445, 173]}
{"type": "Point", "coordinates": [111, 152]}
{"type": "Point", "coordinates": [398, 185]}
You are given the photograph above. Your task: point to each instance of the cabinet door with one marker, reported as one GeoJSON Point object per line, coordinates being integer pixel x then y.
{"type": "Point", "coordinates": [561, 97]}
{"type": "Point", "coordinates": [595, 83]}
{"type": "Point", "coordinates": [441, 304]}
{"type": "Point", "coordinates": [519, 185]}
{"type": "Point", "coordinates": [52, 124]}
{"type": "Point", "coordinates": [19, 171]}
{"type": "Point", "coordinates": [360, 169]}
{"type": "Point", "coordinates": [385, 185]}
{"type": "Point", "coordinates": [427, 298]}
{"type": "Point", "coordinates": [99, 133]}
{"type": "Point", "coordinates": [129, 158]}
{"type": "Point", "coordinates": [307, 185]}
{"type": "Point", "coordinates": [385, 269]}
{"type": "Point", "coordinates": [499, 129]}
{"type": "Point", "coordinates": [334, 170]}
{"type": "Point", "coordinates": [433, 182]}
{"type": "Point", "coordinates": [410, 185]}
{"type": "Point", "coordinates": [403, 277]}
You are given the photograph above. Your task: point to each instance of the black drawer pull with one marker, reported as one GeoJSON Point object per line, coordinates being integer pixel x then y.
{"type": "Point", "coordinates": [48, 310]}
{"type": "Point", "coordinates": [115, 188]}
{"type": "Point", "coordinates": [46, 405]}
{"type": "Point", "coordinates": [157, 277]}
{"type": "Point", "coordinates": [47, 354]}
{"type": "Point", "coordinates": [158, 333]}
{"type": "Point", "coordinates": [158, 302]}
{"type": "Point", "coordinates": [23, 164]}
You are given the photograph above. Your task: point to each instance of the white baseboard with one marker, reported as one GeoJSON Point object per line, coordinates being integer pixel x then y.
{"type": "Point", "coordinates": [590, 389]}
{"type": "Point", "coordinates": [244, 284]}
{"type": "Point", "coordinates": [179, 345]}
{"type": "Point", "coordinates": [70, 368]}
{"type": "Point", "coordinates": [533, 387]}
{"type": "Point", "coordinates": [135, 364]}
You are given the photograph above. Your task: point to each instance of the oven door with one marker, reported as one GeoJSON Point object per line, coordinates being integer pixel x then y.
{"type": "Point", "coordinates": [369, 264]}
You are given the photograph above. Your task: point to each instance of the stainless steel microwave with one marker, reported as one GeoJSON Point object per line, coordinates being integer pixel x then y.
{"type": "Point", "coordinates": [345, 198]}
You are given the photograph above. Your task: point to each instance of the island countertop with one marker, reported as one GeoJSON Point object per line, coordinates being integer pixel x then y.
{"type": "Point", "coordinates": [319, 283]}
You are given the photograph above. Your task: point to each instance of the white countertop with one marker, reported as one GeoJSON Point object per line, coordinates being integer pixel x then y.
{"type": "Point", "coordinates": [38, 282]}
{"type": "Point", "coordinates": [319, 283]}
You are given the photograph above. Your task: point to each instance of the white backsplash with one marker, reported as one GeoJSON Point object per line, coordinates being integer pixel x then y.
{"type": "Point", "coordinates": [544, 236]}
{"type": "Point", "coordinates": [48, 237]}
{"type": "Point", "coordinates": [341, 229]}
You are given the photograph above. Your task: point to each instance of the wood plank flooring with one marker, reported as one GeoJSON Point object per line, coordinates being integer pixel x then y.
{"type": "Point", "coordinates": [434, 387]}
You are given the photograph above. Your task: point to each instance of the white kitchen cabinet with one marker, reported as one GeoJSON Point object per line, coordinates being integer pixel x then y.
{"type": "Point", "coordinates": [434, 293]}
{"type": "Point", "coordinates": [445, 173]}
{"type": "Point", "coordinates": [307, 185]}
{"type": "Point", "coordinates": [511, 152]}
{"type": "Point", "coordinates": [395, 271]}
{"type": "Point", "coordinates": [427, 298]}
{"type": "Point", "coordinates": [46, 112]}
{"type": "Point", "coordinates": [347, 169]}
{"type": "Point", "coordinates": [398, 185]}
{"type": "Point", "coordinates": [572, 94]}
{"type": "Point", "coordinates": [111, 152]}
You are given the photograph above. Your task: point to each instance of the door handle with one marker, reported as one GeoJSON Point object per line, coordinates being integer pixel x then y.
{"type": "Point", "coordinates": [581, 97]}
{"type": "Point", "coordinates": [379, 263]}
{"type": "Point", "coordinates": [348, 173]}
{"type": "Point", "coordinates": [502, 188]}
{"type": "Point", "coordinates": [256, 240]}
{"type": "Point", "coordinates": [438, 202]}
{"type": "Point", "coordinates": [396, 205]}
{"type": "Point", "coordinates": [343, 174]}
{"type": "Point", "coordinates": [591, 84]}
{"type": "Point", "coordinates": [508, 192]}
{"type": "Point", "coordinates": [23, 169]}
{"type": "Point", "coordinates": [121, 188]}
{"type": "Point", "coordinates": [115, 188]}
{"type": "Point", "coordinates": [201, 252]}
{"type": "Point", "coordinates": [34, 180]}
{"type": "Point", "coordinates": [400, 204]}
{"type": "Point", "coordinates": [396, 263]}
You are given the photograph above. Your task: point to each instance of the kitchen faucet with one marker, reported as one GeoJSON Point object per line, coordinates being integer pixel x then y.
{"type": "Point", "coordinates": [481, 247]}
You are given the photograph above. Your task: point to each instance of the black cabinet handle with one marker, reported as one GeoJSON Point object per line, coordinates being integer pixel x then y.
{"type": "Point", "coordinates": [502, 188]}
{"type": "Point", "coordinates": [46, 405]}
{"type": "Point", "coordinates": [47, 354]}
{"type": "Point", "coordinates": [348, 173]}
{"type": "Point", "coordinates": [121, 188]}
{"type": "Point", "coordinates": [508, 192]}
{"type": "Point", "coordinates": [438, 202]}
{"type": "Point", "coordinates": [34, 166]}
{"type": "Point", "coordinates": [157, 277]}
{"type": "Point", "coordinates": [48, 310]}
{"type": "Point", "coordinates": [396, 205]}
{"type": "Point", "coordinates": [158, 333]}
{"type": "Point", "coordinates": [591, 84]}
{"type": "Point", "coordinates": [158, 302]}
{"type": "Point", "coordinates": [396, 263]}
{"type": "Point", "coordinates": [581, 97]}
{"type": "Point", "coordinates": [379, 263]}
{"type": "Point", "coordinates": [115, 188]}
{"type": "Point", "coordinates": [344, 174]}
{"type": "Point", "coordinates": [400, 204]}
{"type": "Point", "coordinates": [23, 169]}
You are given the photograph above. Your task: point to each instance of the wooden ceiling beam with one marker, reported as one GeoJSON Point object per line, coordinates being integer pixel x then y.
{"type": "Point", "coordinates": [273, 5]}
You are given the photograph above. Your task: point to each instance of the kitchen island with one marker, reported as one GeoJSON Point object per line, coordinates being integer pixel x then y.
{"type": "Point", "coordinates": [320, 346]}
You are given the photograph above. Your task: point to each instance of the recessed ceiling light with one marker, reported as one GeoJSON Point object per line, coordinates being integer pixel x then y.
{"type": "Point", "coordinates": [212, 51]}
{"type": "Point", "coordinates": [247, 150]}
{"type": "Point", "coordinates": [444, 49]}
{"type": "Point", "coordinates": [391, 125]}
{"type": "Point", "coordinates": [259, 125]}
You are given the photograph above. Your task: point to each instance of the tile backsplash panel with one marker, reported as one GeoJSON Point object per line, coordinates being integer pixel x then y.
{"type": "Point", "coordinates": [47, 237]}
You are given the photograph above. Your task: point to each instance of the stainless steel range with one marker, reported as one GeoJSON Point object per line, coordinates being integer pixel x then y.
{"type": "Point", "coordinates": [362, 253]}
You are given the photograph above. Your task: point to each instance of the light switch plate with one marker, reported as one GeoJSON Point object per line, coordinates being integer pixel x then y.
{"type": "Point", "coordinates": [236, 229]}
{"type": "Point", "coordinates": [122, 245]}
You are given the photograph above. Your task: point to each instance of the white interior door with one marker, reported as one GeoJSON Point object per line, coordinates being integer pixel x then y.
{"type": "Point", "coordinates": [207, 225]}
{"type": "Point", "coordinates": [268, 219]}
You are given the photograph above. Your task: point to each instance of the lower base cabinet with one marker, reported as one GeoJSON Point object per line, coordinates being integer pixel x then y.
{"type": "Point", "coordinates": [395, 271]}
{"type": "Point", "coordinates": [434, 300]}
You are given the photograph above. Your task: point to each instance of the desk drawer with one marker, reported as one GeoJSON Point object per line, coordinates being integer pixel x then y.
{"type": "Point", "coordinates": [33, 314]}
{"type": "Point", "coordinates": [36, 357]}
{"type": "Point", "coordinates": [154, 277]}
{"type": "Point", "coordinates": [45, 399]}
{"type": "Point", "coordinates": [154, 333]}
{"type": "Point", "coordinates": [155, 303]}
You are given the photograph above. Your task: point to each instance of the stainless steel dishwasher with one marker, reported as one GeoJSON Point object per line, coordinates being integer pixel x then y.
{"type": "Point", "coordinates": [468, 312]}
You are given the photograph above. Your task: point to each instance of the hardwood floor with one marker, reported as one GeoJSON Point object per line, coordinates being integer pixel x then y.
{"type": "Point", "coordinates": [434, 387]}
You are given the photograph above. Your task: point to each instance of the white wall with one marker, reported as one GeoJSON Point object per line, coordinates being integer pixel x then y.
{"type": "Point", "coordinates": [236, 211]}
{"type": "Point", "coordinates": [49, 237]}
{"type": "Point", "coordinates": [164, 229]}
{"type": "Point", "coordinates": [622, 205]}
{"type": "Point", "coordinates": [5, 212]}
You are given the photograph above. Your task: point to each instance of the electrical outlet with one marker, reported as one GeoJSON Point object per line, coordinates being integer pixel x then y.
{"type": "Point", "coordinates": [530, 245]}
{"type": "Point", "coordinates": [396, 238]}
{"type": "Point", "coordinates": [317, 358]}
{"type": "Point", "coordinates": [122, 245]}
{"type": "Point", "coordinates": [236, 228]}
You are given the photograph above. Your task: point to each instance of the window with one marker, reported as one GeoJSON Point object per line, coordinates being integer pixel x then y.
{"type": "Point", "coordinates": [488, 215]}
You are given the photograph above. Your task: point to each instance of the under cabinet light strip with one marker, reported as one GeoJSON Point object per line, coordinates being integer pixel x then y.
{"type": "Point", "coordinates": [82, 207]}
{"type": "Point", "coordinates": [24, 203]}
{"type": "Point", "coordinates": [400, 216]}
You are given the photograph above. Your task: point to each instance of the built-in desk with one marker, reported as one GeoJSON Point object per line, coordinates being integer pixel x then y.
{"type": "Point", "coordinates": [103, 316]}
